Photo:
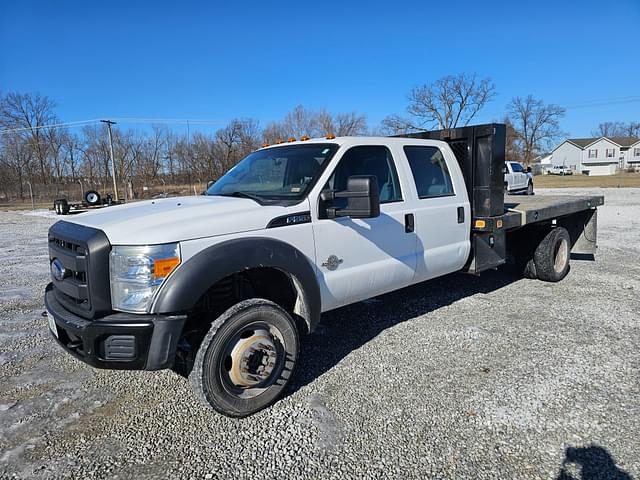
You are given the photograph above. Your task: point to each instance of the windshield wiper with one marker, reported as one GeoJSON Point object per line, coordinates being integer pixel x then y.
{"type": "Point", "coordinates": [251, 196]}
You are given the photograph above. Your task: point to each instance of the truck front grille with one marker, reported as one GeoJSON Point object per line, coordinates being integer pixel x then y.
{"type": "Point", "coordinates": [73, 290]}
{"type": "Point", "coordinates": [82, 284]}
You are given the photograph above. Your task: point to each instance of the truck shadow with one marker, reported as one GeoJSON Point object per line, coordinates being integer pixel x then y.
{"type": "Point", "coordinates": [593, 463]}
{"type": "Point", "coordinates": [348, 328]}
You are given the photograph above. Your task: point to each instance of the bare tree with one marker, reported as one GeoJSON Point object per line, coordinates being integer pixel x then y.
{"type": "Point", "coordinates": [274, 132]}
{"type": "Point", "coordinates": [301, 121]}
{"type": "Point", "coordinates": [15, 157]}
{"type": "Point", "coordinates": [233, 142]}
{"type": "Point", "coordinates": [536, 125]}
{"type": "Point", "coordinates": [30, 112]}
{"type": "Point", "coordinates": [341, 124]}
{"type": "Point", "coordinates": [608, 129]}
{"type": "Point", "coordinates": [632, 129]}
{"type": "Point", "coordinates": [451, 101]}
{"type": "Point", "coordinates": [617, 129]}
{"type": "Point", "coordinates": [513, 146]}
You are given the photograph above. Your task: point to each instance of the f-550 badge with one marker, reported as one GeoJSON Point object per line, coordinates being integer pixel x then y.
{"type": "Point", "coordinates": [332, 262]}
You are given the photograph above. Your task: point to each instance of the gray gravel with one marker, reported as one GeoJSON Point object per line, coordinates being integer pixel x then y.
{"type": "Point", "coordinates": [461, 377]}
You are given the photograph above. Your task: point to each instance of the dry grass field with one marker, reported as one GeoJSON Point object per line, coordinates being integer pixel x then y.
{"type": "Point", "coordinates": [622, 179]}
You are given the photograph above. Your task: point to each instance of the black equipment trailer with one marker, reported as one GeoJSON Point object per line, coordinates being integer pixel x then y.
{"type": "Point", "coordinates": [90, 200]}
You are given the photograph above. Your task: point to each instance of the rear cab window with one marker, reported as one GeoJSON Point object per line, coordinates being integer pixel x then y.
{"type": "Point", "coordinates": [430, 171]}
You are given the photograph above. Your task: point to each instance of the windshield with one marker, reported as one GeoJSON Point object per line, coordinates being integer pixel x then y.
{"type": "Point", "coordinates": [285, 173]}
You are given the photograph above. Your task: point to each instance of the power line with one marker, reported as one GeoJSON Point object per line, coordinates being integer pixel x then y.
{"type": "Point", "coordinates": [173, 121]}
{"type": "Point", "coordinates": [55, 125]}
{"type": "Point", "coordinates": [603, 102]}
{"type": "Point", "coordinates": [125, 120]}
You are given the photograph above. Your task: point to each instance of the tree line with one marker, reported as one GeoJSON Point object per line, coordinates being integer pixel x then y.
{"type": "Point", "coordinates": [56, 162]}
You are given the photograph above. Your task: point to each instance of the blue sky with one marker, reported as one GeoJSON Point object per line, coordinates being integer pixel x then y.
{"type": "Point", "coordinates": [220, 60]}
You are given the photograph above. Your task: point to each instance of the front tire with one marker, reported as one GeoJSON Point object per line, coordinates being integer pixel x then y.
{"type": "Point", "coordinates": [246, 359]}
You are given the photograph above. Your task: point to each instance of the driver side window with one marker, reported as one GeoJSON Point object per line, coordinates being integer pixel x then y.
{"type": "Point", "coordinates": [368, 160]}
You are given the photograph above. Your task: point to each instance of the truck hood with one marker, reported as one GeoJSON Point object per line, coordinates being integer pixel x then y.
{"type": "Point", "coordinates": [177, 219]}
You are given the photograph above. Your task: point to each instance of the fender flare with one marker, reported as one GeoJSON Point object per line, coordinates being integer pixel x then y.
{"type": "Point", "coordinates": [190, 281]}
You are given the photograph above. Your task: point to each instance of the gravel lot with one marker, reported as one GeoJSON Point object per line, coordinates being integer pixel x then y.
{"type": "Point", "coordinates": [461, 377]}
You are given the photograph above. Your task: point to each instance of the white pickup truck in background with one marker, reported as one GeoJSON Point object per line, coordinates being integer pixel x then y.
{"type": "Point", "coordinates": [220, 286]}
{"type": "Point", "coordinates": [560, 170]}
{"type": "Point", "coordinates": [517, 179]}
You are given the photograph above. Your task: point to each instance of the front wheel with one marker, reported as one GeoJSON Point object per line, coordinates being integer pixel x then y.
{"type": "Point", "coordinates": [246, 359]}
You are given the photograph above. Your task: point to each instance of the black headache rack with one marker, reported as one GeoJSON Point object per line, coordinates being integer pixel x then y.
{"type": "Point", "coordinates": [480, 151]}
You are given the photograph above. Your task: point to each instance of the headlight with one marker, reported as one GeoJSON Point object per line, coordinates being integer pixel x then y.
{"type": "Point", "coordinates": [137, 272]}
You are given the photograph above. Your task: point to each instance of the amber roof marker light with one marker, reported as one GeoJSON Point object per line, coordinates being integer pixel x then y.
{"type": "Point", "coordinates": [291, 139]}
{"type": "Point", "coordinates": [330, 136]}
{"type": "Point", "coordinates": [304, 138]}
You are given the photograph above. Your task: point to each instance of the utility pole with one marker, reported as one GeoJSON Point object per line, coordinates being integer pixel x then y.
{"type": "Point", "coordinates": [113, 163]}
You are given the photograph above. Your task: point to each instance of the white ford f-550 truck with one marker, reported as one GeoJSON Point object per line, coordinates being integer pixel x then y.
{"type": "Point", "coordinates": [220, 286]}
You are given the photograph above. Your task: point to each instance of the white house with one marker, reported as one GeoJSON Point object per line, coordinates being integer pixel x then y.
{"type": "Point", "coordinates": [633, 155]}
{"type": "Point", "coordinates": [597, 156]}
{"type": "Point", "coordinates": [545, 162]}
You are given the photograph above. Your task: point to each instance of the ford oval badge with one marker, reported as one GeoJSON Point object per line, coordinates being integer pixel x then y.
{"type": "Point", "coordinates": [57, 270]}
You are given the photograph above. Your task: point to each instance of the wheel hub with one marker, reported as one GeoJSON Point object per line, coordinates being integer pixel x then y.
{"type": "Point", "coordinates": [253, 359]}
{"type": "Point", "coordinates": [561, 256]}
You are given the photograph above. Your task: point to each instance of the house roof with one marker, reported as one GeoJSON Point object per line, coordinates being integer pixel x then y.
{"type": "Point", "coordinates": [624, 141]}
{"type": "Point", "coordinates": [585, 142]}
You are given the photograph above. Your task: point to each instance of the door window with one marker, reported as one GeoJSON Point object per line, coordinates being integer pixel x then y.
{"type": "Point", "coordinates": [368, 160]}
{"type": "Point", "coordinates": [516, 167]}
{"type": "Point", "coordinates": [430, 171]}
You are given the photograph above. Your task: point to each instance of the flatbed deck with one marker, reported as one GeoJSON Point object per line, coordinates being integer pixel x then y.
{"type": "Point", "coordinates": [524, 210]}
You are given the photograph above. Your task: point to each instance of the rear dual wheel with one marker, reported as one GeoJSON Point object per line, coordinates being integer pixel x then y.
{"type": "Point", "coordinates": [550, 259]}
{"type": "Point", "coordinates": [246, 359]}
{"type": "Point", "coordinates": [530, 188]}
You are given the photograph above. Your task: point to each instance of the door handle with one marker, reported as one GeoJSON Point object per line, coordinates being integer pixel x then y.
{"type": "Point", "coordinates": [409, 223]}
{"type": "Point", "coordinates": [460, 214]}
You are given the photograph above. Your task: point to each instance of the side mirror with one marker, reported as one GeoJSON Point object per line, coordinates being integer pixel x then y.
{"type": "Point", "coordinates": [363, 198]}
{"type": "Point", "coordinates": [505, 170]}
{"type": "Point", "coordinates": [529, 170]}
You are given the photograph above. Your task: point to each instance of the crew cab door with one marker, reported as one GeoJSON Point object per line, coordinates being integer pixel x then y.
{"type": "Point", "coordinates": [519, 176]}
{"type": "Point", "coordinates": [441, 209]}
{"type": "Point", "coordinates": [361, 258]}
{"type": "Point", "coordinates": [508, 176]}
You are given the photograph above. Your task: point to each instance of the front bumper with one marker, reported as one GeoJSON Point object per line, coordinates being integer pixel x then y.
{"type": "Point", "coordinates": [119, 341]}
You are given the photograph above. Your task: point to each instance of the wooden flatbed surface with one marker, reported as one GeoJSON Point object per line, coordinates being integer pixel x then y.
{"type": "Point", "coordinates": [524, 209]}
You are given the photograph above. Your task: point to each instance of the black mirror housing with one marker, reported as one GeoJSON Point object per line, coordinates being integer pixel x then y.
{"type": "Point", "coordinates": [363, 198]}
